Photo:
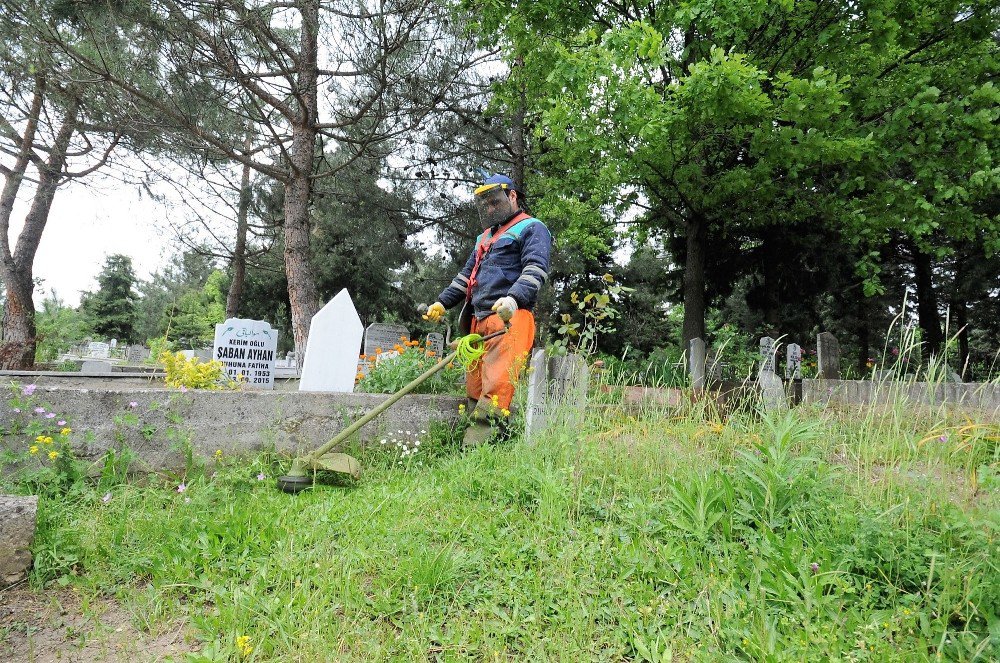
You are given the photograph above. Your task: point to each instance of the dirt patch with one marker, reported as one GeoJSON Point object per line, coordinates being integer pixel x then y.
{"type": "Point", "coordinates": [61, 625]}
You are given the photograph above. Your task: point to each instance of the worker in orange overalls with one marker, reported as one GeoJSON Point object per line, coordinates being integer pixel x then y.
{"type": "Point", "coordinates": [500, 282]}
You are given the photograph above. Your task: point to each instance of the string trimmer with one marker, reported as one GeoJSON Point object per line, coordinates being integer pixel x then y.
{"type": "Point", "coordinates": [466, 352]}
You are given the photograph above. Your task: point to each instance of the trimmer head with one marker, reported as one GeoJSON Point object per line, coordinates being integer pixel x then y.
{"type": "Point", "coordinates": [293, 484]}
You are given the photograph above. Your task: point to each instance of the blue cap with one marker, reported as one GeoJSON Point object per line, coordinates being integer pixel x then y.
{"type": "Point", "coordinates": [497, 180]}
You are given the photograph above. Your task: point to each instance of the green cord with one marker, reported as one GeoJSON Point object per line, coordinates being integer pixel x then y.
{"type": "Point", "coordinates": [467, 355]}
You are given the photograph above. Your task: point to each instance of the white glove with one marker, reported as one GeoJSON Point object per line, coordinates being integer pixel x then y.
{"type": "Point", "coordinates": [505, 307]}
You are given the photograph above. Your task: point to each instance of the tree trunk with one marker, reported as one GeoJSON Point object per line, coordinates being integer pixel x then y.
{"type": "Point", "coordinates": [694, 280]}
{"type": "Point", "coordinates": [927, 305]}
{"type": "Point", "coordinates": [770, 270]}
{"type": "Point", "coordinates": [302, 293]}
{"type": "Point", "coordinates": [959, 308]}
{"type": "Point", "coordinates": [239, 261]}
{"type": "Point", "coordinates": [18, 349]}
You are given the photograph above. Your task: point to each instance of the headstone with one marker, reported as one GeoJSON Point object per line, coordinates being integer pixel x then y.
{"type": "Point", "coordinates": [113, 343]}
{"type": "Point", "coordinates": [95, 367]}
{"type": "Point", "coordinates": [713, 373]}
{"type": "Point", "coordinates": [556, 386]}
{"type": "Point", "coordinates": [331, 360]}
{"type": "Point", "coordinates": [247, 348]}
{"type": "Point", "coordinates": [134, 354]}
{"type": "Point", "coordinates": [17, 531]}
{"type": "Point", "coordinates": [205, 354]}
{"type": "Point", "coordinates": [793, 362]}
{"type": "Point", "coordinates": [767, 354]}
{"type": "Point", "coordinates": [827, 356]}
{"type": "Point", "coordinates": [696, 362]}
{"type": "Point", "coordinates": [772, 391]}
{"type": "Point", "coordinates": [435, 344]}
{"type": "Point", "coordinates": [98, 350]}
{"type": "Point", "coordinates": [384, 336]}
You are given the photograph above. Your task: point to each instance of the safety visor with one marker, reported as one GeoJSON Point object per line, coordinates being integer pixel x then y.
{"type": "Point", "coordinates": [485, 188]}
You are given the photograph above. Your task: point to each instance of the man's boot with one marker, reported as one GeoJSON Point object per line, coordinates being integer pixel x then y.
{"type": "Point", "coordinates": [480, 430]}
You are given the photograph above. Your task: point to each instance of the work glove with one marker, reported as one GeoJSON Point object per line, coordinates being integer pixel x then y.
{"type": "Point", "coordinates": [505, 307]}
{"type": "Point", "coordinates": [434, 312]}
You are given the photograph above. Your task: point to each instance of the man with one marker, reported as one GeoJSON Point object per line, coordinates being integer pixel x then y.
{"type": "Point", "coordinates": [499, 283]}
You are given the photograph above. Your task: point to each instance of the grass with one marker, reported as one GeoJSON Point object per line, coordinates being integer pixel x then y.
{"type": "Point", "coordinates": [821, 534]}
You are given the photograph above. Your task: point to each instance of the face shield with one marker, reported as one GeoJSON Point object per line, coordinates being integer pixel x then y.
{"type": "Point", "coordinates": [494, 205]}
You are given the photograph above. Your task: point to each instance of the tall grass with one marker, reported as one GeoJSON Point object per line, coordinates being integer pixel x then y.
{"type": "Point", "coordinates": [654, 534]}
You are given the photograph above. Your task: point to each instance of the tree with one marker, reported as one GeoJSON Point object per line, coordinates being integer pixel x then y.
{"type": "Point", "coordinates": [112, 309]}
{"type": "Point", "coordinates": [731, 125]}
{"type": "Point", "coordinates": [258, 65]}
{"type": "Point", "coordinates": [54, 126]}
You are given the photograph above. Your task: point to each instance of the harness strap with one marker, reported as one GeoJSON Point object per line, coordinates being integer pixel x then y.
{"type": "Point", "coordinates": [484, 245]}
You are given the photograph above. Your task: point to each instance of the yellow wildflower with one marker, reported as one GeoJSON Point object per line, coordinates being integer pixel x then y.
{"type": "Point", "coordinates": [66, 431]}
{"type": "Point", "coordinates": [243, 644]}
{"type": "Point", "coordinates": [33, 449]}
{"type": "Point", "coordinates": [218, 454]}
{"type": "Point", "coordinates": [53, 455]}
{"type": "Point", "coordinates": [47, 440]}
{"type": "Point", "coordinates": [40, 438]}
{"type": "Point", "coordinates": [461, 408]}
{"type": "Point", "coordinates": [505, 412]}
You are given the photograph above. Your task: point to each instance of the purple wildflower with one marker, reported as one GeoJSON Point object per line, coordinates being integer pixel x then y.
{"type": "Point", "coordinates": [39, 410]}
{"type": "Point", "coordinates": [17, 410]}
{"type": "Point", "coordinates": [50, 415]}
{"type": "Point", "coordinates": [29, 389]}
{"type": "Point", "coordinates": [814, 567]}
{"type": "Point", "coordinates": [261, 477]}
{"type": "Point", "coordinates": [183, 389]}
{"type": "Point", "coordinates": [181, 487]}
{"type": "Point", "coordinates": [943, 438]}
{"type": "Point", "coordinates": [61, 422]}
{"type": "Point", "coordinates": [133, 404]}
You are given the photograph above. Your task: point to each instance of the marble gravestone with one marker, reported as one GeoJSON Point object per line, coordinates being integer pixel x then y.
{"type": "Point", "coordinates": [246, 348]}
{"type": "Point", "coordinates": [435, 343]}
{"type": "Point", "coordinates": [384, 336]}
{"type": "Point", "coordinates": [333, 347]}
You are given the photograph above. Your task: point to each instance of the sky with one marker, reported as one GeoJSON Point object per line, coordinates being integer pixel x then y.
{"type": "Point", "coordinates": [89, 223]}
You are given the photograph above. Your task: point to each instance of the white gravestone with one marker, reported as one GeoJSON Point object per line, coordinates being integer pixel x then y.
{"type": "Point", "coordinates": [556, 386]}
{"type": "Point", "coordinates": [767, 354]}
{"type": "Point", "coordinates": [99, 350]}
{"type": "Point", "coordinates": [793, 362]}
{"type": "Point", "coordinates": [334, 344]}
{"type": "Point", "coordinates": [247, 348]}
{"type": "Point", "coordinates": [384, 336]}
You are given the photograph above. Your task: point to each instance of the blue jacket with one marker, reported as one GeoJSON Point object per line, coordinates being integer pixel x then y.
{"type": "Point", "coordinates": [517, 265]}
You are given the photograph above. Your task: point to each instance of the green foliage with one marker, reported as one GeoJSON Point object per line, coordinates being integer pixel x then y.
{"type": "Point", "coordinates": [184, 373]}
{"type": "Point", "coordinates": [58, 327]}
{"type": "Point", "coordinates": [592, 315]}
{"type": "Point", "coordinates": [111, 311]}
{"type": "Point", "coordinates": [389, 375]}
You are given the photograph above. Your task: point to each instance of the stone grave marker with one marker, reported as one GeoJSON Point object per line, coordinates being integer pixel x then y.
{"type": "Point", "coordinates": [248, 348]}
{"type": "Point", "coordinates": [99, 350]}
{"type": "Point", "coordinates": [827, 356]}
{"type": "Point", "coordinates": [385, 336]}
{"type": "Point", "coordinates": [793, 362]}
{"type": "Point", "coordinates": [696, 362]}
{"type": "Point", "coordinates": [435, 344]}
{"type": "Point", "coordinates": [331, 360]}
{"type": "Point", "coordinates": [556, 386]}
{"type": "Point", "coordinates": [772, 390]}
{"type": "Point", "coordinates": [95, 367]}
{"type": "Point", "coordinates": [767, 358]}
{"type": "Point", "coordinates": [18, 516]}
{"type": "Point", "coordinates": [136, 354]}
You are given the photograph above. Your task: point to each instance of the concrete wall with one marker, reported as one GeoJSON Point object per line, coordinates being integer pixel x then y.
{"type": "Point", "coordinates": [162, 423]}
{"type": "Point", "coordinates": [984, 398]}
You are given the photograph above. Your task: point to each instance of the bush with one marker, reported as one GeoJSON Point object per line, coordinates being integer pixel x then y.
{"type": "Point", "coordinates": [388, 376]}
